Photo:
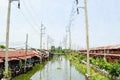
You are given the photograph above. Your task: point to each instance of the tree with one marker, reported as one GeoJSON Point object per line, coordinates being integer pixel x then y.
{"type": "Point", "coordinates": [53, 48]}
{"type": "Point", "coordinates": [2, 46]}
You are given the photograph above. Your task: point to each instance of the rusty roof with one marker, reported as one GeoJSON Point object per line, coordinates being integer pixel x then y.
{"type": "Point", "coordinates": [17, 54]}
{"type": "Point", "coordinates": [115, 55]}
{"type": "Point", "coordinates": [105, 47]}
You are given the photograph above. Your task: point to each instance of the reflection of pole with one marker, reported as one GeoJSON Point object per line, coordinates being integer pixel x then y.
{"type": "Point", "coordinates": [7, 37]}
{"type": "Point", "coordinates": [26, 52]}
{"type": "Point", "coordinates": [40, 75]}
{"type": "Point", "coordinates": [66, 74]}
{"type": "Point", "coordinates": [47, 71]}
{"type": "Point", "coordinates": [87, 37]}
{"type": "Point", "coordinates": [70, 71]}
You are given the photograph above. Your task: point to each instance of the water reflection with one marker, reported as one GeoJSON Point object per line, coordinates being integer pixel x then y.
{"type": "Point", "coordinates": [58, 68]}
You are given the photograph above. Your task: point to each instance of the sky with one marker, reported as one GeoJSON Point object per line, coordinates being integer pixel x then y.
{"type": "Point", "coordinates": [103, 20]}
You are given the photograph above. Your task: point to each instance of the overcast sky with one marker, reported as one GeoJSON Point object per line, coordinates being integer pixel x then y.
{"type": "Point", "coordinates": [103, 15]}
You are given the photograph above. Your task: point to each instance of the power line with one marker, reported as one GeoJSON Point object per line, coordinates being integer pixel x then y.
{"type": "Point", "coordinates": [28, 21]}
{"type": "Point", "coordinates": [28, 9]}
{"type": "Point", "coordinates": [72, 18]}
{"type": "Point", "coordinates": [33, 10]}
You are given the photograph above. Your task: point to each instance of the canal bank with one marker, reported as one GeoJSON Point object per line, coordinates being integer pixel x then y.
{"type": "Point", "coordinates": [26, 76]}
{"type": "Point", "coordinates": [82, 68]}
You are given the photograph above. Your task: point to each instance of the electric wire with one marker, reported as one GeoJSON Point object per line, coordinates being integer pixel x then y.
{"type": "Point", "coordinates": [28, 9]}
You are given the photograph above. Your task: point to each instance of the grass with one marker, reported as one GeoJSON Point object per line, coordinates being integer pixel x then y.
{"type": "Point", "coordinates": [82, 68]}
{"type": "Point", "coordinates": [29, 74]}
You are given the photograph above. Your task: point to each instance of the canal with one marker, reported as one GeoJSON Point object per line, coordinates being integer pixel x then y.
{"type": "Point", "coordinates": [59, 68]}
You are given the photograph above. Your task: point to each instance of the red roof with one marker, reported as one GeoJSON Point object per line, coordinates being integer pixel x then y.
{"type": "Point", "coordinates": [102, 54]}
{"type": "Point", "coordinates": [115, 55]}
{"type": "Point", "coordinates": [106, 47]}
{"type": "Point", "coordinates": [17, 54]}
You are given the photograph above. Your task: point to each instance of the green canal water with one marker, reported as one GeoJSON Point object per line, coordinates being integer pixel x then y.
{"type": "Point", "coordinates": [59, 68]}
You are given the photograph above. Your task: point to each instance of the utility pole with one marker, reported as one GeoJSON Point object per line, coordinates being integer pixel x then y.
{"type": "Point", "coordinates": [41, 34]}
{"type": "Point", "coordinates": [104, 54]}
{"type": "Point", "coordinates": [66, 40]}
{"type": "Point", "coordinates": [87, 40]}
{"type": "Point", "coordinates": [87, 36]}
{"type": "Point", "coordinates": [7, 36]}
{"type": "Point", "coordinates": [47, 42]}
{"type": "Point", "coordinates": [69, 32]}
{"type": "Point", "coordinates": [41, 37]}
{"type": "Point", "coordinates": [26, 48]}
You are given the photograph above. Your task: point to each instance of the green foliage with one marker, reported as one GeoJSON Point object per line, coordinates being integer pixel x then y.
{"type": "Point", "coordinates": [56, 49]}
{"type": "Point", "coordinates": [53, 48]}
{"type": "Point", "coordinates": [59, 49]}
{"type": "Point", "coordinates": [2, 47]}
{"type": "Point", "coordinates": [115, 70]}
{"type": "Point", "coordinates": [20, 63]}
{"type": "Point", "coordinates": [82, 68]}
{"type": "Point", "coordinates": [29, 73]}
{"type": "Point", "coordinates": [7, 75]}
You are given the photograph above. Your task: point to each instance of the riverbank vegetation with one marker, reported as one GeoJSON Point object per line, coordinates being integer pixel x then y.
{"type": "Point", "coordinates": [110, 68]}
{"type": "Point", "coordinates": [28, 75]}
{"type": "Point", "coordinates": [59, 50]}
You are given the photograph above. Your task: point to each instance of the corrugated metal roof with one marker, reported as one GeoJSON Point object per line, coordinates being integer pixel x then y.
{"type": "Point", "coordinates": [17, 54]}
{"type": "Point", "coordinates": [115, 55]}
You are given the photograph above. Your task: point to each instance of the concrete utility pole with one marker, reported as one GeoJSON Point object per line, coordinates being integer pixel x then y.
{"type": "Point", "coordinates": [65, 42]}
{"type": "Point", "coordinates": [42, 29]}
{"type": "Point", "coordinates": [69, 31]}
{"type": "Point", "coordinates": [7, 35]}
{"type": "Point", "coordinates": [87, 36]}
{"type": "Point", "coordinates": [41, 37]}
{"type": "Point", "coordinates": [7, 38]}
{"type": "Point", "coordinates": [87, 39]}
{"type": "Point", "coordinates": [48, 42]}
{"type": "Point", "coordinates": [26, 48]}
{"type": "Point", "coordinates": [104, 54]}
